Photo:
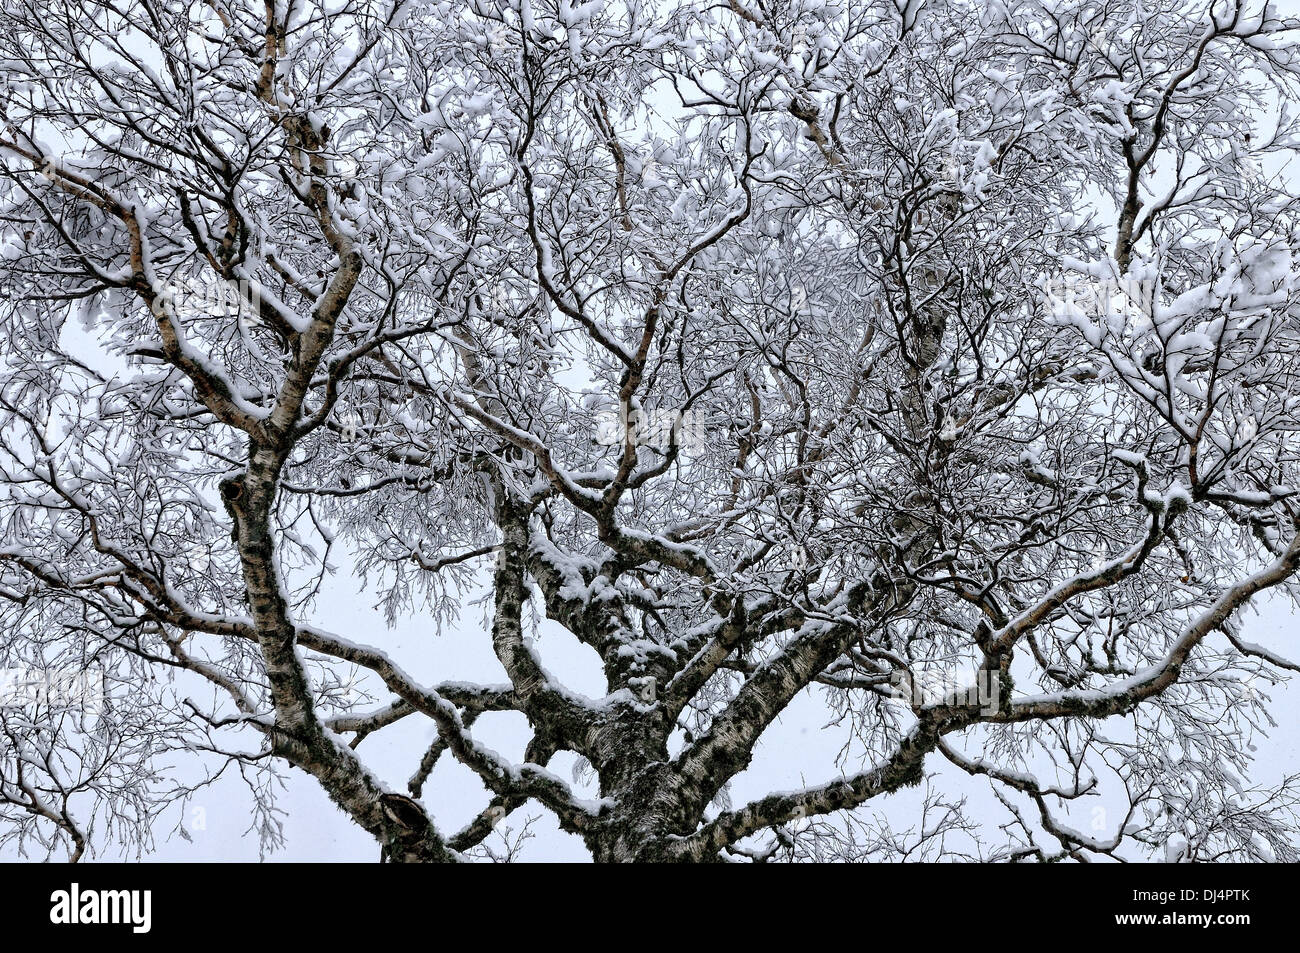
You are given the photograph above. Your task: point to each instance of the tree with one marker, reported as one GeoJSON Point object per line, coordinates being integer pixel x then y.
{"type": "Point", "coordinates": [872, 349]}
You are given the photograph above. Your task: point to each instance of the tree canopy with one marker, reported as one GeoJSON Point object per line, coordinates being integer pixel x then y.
{"type": "Point", "coordinates": [853, 347]}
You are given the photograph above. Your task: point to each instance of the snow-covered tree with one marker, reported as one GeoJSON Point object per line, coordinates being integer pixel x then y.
{"type": "Point", "coordinates": [938, 359]}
